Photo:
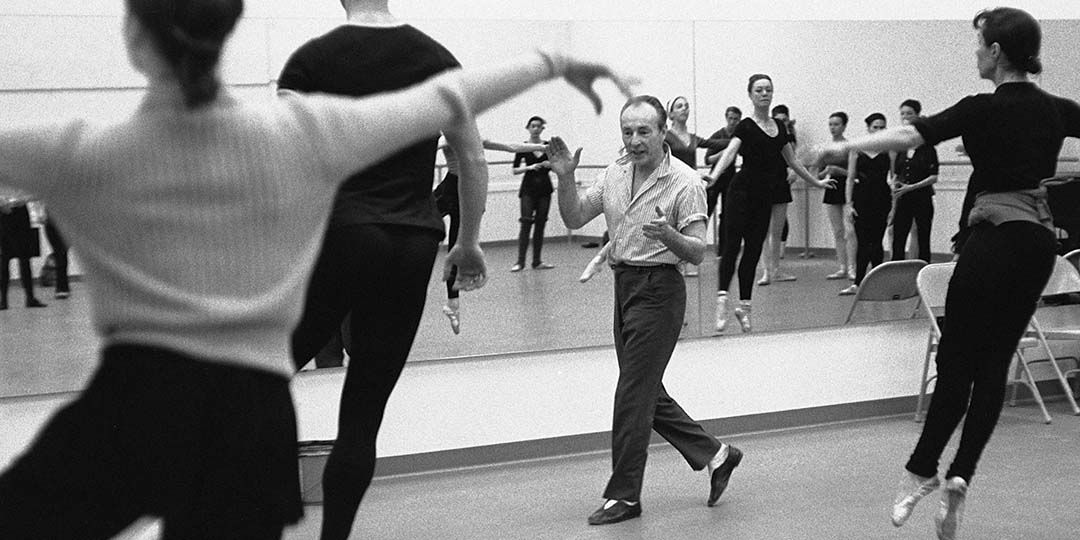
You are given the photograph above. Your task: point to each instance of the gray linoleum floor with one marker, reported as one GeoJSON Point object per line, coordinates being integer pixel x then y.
{"type": "Point", "coordinates": [54, 349]}
{"type": "Point", "coordinates": [826, 482]}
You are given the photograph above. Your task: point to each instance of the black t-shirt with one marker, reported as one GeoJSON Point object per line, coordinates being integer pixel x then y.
{"type": "Point", "coordinates": [535, 183]}
{"type": "Point", "coordinates": [357, 61]}
{"type": "Point", "coordinates": [1012, 136]}
{"type": "Point", "coordinates": [763, 161]}
{"type": "Point", "coordinates": [910, 170]}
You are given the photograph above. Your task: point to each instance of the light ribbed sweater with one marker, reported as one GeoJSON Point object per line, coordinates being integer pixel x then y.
{"type": "Point", "coordinates": [198, 230]}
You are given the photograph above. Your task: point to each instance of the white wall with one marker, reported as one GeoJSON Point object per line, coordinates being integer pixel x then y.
{"type": "Point", "coordinates": [66, 58]}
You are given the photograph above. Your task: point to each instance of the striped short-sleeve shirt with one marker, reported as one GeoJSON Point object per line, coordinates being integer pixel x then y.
{"type": "Point", "coordinates": [673, 187]}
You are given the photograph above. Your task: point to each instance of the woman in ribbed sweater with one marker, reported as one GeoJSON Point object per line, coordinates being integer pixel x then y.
{"type": "Point", "coordinates": [198, 219]}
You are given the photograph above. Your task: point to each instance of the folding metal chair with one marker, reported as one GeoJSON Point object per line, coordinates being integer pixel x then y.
{"type": "Point", "coordinates": [1059, 323]}
{"type": "Point", "coordinates": [892, 281]}
{"type": "Point", "coordinates": [933, 285]}
{"type": "Point", "coordinates": [1074, 258]}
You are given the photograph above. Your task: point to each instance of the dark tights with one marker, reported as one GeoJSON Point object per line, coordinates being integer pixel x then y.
{"type": "Point", "coordinates": [993, 292]}
{"type": "Point", "coordinates": [379, 274]}
{"type": "Point", "coordinates": [747, 225]}
{"type": "Point", "coordinates": [918, 208]}
{"type": "Point", "coordinates": [534, 214]}
{"type": "Point", "coordinates": [24, 274]}
{"type": "Point", "coordinates": [870, 225]}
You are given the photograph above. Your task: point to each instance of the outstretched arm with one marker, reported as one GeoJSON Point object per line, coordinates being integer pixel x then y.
{"type": "Point", "coordinates": [800, 169]}
{"type": "Point", "coordinates": [726, 160]}
{"type": "Point", "coordinates": [472, 195]}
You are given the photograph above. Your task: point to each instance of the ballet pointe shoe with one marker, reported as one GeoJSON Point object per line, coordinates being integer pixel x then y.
{"type": "Point", "coordinates": [591, 269]}
{"type": "Point", "coordinates": [721, 313]}
{"type": "Point", "coordinates": [454, 315]}
{"type": "Point", "coordinates": [765, 280]}
{"type": "Point", "coordinates": [911, 490]}
{"type": "Point", "coordinates": [951, 511]}
{"type": "Point", "coordinates": [742, 314]}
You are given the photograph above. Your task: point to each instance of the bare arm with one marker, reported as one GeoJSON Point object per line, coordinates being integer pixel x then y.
{"type": "Point", "coordinates": [789, 156]}
{"type": "Point", "coordinates": [849, 188]}
{"type": "Point", "coordinates": [726, 159]}
{"type": "Point", "coordinates": [514, 148]}
{"type": "Point", "coordinates": [687, 243]}
{"type": "Point", "coordinates": [573, 207]}
{"type": "Point", "coordinates": [888, 140]}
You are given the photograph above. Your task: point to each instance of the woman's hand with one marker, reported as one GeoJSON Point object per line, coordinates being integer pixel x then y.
{"type": "Point", "coordinates": [582, 74]}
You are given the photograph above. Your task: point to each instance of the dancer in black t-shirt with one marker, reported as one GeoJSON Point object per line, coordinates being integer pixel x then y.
{"type": "Point", "coordinates": [869, 203]}
{"type": "Point", "coordinates": [382, 239]}
{"type": "Point", "coordinates": [916, 171]}
{"type": "Point", "coordinates": [764, 146]}
{"type": "Point", "coordinates": [1006, 248]}
{"type": "Point", "coordinates": [535, 195]}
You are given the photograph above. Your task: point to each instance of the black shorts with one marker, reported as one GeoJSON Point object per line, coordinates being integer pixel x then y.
{"type": "Point", "coordinates": [781, 191]}
{"type": "Point", "coordinates": [210, 448]}
{"type": "Point", "coordinates": [837, 195]}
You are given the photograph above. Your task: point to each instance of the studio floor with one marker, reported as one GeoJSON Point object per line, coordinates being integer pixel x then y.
{"type": "Point", "coordinates": [53, 349]}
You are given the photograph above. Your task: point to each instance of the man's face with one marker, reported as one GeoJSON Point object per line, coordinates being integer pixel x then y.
{"type": "Point", "coordinates": [733, 119]}
{"type": "Point", "coordinates": [642, 134]}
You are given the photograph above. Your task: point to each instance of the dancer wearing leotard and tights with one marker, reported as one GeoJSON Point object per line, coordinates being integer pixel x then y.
{"type": "Point", "coordinates": [835, 167]}
{"type": "Point", "coordinates": [869, 202]}
{"type": "Point", "coordinates": [763, 144]}
{"type": "Point", "coordinates": [1006, 250]}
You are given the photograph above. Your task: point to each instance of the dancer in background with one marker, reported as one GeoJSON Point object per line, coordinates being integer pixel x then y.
{"type": "Point", "coordinates": [535, 194]}
{"type": "Point", "coordinates": [17, 241]}
{"type": "Point", "coordinates": [869, 203]}
{"type": "Point", "coordinates": [778, 220]}
{"type": "Point", "coordinates": [684, 144]}
{"type": "Point", "coordinates": [716, 192]}
{"type": "Point", "coordinates": [447, 201]}
{"type": "Point", "coordinates": [1006, 248]}
{"type": "Point", "coordinates": [916, 171]}
{"type": "Point", "coordinates": [765, 148]}
{"type": "Point", "coordinates": [835, 167]}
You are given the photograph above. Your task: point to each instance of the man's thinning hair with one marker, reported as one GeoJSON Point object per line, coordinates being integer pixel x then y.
{"type": "Point", "coordinates": [652, 102]}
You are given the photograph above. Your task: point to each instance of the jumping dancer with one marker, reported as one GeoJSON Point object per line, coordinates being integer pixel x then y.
{"type": "Point", "coordinates": [1006, 248]}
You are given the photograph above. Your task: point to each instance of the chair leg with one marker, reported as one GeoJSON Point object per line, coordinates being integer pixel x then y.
{"type": "Point", "coordinates": [1064, 382]}
{"type": "Point", "coordinates": [1015, 380]}
{"type": "Point", "coordinates": [1030, 383]}
{"type": "Point", "coordinates": [925, 382]}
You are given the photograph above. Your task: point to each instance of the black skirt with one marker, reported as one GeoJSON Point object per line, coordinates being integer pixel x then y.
{"type": "Point", "coordinates": [17, 237]}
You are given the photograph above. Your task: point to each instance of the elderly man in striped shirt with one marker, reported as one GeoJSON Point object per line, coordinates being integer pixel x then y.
{"type": "Point", "coordinates": [655, 209]}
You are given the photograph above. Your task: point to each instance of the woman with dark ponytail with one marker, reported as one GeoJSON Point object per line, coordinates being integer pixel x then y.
{"type": "Point", "coordinates": [1013, 137]}
{"type": "Point", "coordinates": [198, 219]}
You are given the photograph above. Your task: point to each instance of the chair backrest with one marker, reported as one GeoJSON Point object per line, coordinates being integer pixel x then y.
{"type": "Point", "coordinates": [1074, 258]}
{"type": "Point", "coordinates": [1064, 280]}
{"type": "Point", "coordinates": [933, 283]}
{"type": "Point", "coordinates": [888, 282]}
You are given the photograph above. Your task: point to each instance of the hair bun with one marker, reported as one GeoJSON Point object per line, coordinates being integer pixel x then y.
{"type": "Point", "coordinates": [1033, 65]}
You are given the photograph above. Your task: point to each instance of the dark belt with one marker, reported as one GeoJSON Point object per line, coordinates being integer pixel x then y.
{"type": "Point", "coordinates": [644, 267]}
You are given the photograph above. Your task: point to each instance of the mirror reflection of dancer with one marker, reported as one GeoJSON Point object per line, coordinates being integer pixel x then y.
{"type": "Point", "coordinates": [654, 207]}
{"type": "Point", "coordinates": [765, 148]}
{"type": "Point", "coordinates": [1006, 252]}
{"type": "Point", "coordinates": [869, 203]}
{"type": "Point", "coordinates": [773, 250]}
{"type": "Point", "coordinates": [716, 193]}
{"type": "Point", "coordinates": [189, 416]}
{"type": "Point", "coordinates": [16, 242]}
{"type": "Point", "coordinates": [835, 167]}
{"type": "Point", "coordinates": [447, 201]}
{"type": "Point", "coordinates": [916, 171]}
{"type": "Point", "coordinates": [535, 195]}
